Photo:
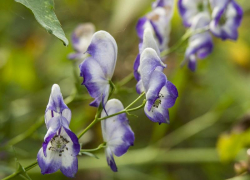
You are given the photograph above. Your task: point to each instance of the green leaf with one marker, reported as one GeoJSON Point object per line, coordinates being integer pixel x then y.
{"type": "Point", "coordinates": [45, 15]}
{"type": "Point", "coordinates": [89, 154]}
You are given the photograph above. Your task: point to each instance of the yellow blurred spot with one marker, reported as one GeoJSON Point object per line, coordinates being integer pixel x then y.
{"type": "Point", "coordinates": [240, 53]}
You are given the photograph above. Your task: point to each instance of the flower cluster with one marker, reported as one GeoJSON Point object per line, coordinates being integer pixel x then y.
{"type": "Point", "coordinates": [98, 53]}
{"type": "Point", "coordinates": [226, 18]}
{"type": "Point", "coordinates": [60, 146]}
{"type": "Point", "coordinates": [153, 31]}
{"type": "Point", "coordinates": [159, 21]}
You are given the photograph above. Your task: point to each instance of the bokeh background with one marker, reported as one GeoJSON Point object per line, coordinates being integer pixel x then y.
{"type": "Point", "coordinates": [209, 132]}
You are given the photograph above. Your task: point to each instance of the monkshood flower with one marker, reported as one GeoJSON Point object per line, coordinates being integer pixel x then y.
{"type": "Point", "coordinates": [190, 8]}
{"type": "Point", "coordinates": [159, 21]}
{"type": "Point", "coordinates": [161, 94]}
{"type": "Point", "coordinates": [227, 16]}
{"type": "Point", "coordinates": [60, 146]}
{"type": "Point", "coordinates": [116, 132]}
{"type": "Point", "coordinates": [148, 42]}
{"type": "Point", "coordinates": [81, 38]}
{"type": "Point", "coordinates": [98, 69]}
{"type": "Point", "coordinates": [201, 44]}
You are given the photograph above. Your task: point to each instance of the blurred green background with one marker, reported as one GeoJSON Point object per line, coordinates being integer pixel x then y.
{"type": "Point", "coordinates": [209, 131]}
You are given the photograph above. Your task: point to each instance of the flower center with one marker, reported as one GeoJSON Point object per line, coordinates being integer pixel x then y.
{"type": "Point", "coordinates": [58, 144]}
{"type": "Point", "coordinates": [157, 102]}
{"type": "Point", "coordinates": [223, 19]}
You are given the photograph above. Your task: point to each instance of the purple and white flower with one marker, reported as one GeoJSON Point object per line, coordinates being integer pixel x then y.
{"type": "Point", "coordinates": [201, 44]}
{"type": "Point", "coordinates": [159, 21]}
{"type": "Point", "coordinates": [148, 42]}
{"type": "Point", "coordinates": [226, 18]}
{"type": "Point", "coordinates": [161, 94]}
{"type": "Point", "coordinates": [60, 146]}
{"type": "Point", "coordinates": [81, 38]}
{"type": "Point", "coordinates": [98, 69]}
{"type": "Point", "coordinates": [116, 132]}
{"type": "Point", "coordinates": [190, 8]}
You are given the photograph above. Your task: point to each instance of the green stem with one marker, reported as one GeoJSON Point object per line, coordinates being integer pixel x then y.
{"type": "Point", "coordinates": [123, 111]}
{"type": "Point", "coordinates": [26, 134]}
{"type": "Point", "coordinates": [91, 150]}
{"type": "Point", "coordinates": [126, 80]}
{"type": "Point", "coordinates": [34, 127]}
{"type": "Point", "coordinates": [183, 39]}
{"type": "Point", "coordinates": [92, 123]}
{"type": "Point", "coordinates": [19, 172]}
{"type": "Point", "coordinates": [139, 97]}
{"type": "Point", "coordinates": [126, 110]}
{"type": "Point", "coordinates": [31, 166]}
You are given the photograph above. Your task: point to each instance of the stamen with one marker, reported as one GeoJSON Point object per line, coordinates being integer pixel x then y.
{"type": "Point", "coordinates": [58, 144]}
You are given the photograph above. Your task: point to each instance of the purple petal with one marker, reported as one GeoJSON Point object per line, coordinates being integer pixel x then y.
{"type": "Point", "coordinates": [56, 102]}
{"type": "Point", "coordinates": [94, 79]}
{"type": "Point", "coordinates": [81, 37]}
{"type": "Point", "coordinates": [139, 87]}
{"type": "Point", "coordinates": [76, 146]}
{"type": "Point", "coordinates": [110, 160]}
{"type": "Point", "coordinates": [172, 95]}
{"type": "Point", "coordinates": [53, 125]}
{"type": "Point", "coordinates": [49, 164]}
{"type": "Point", "coordinates": [69, 165]}
{"type": "Point", "coordinates": [156, 82]}
{"type": "Point", "coordinates": [103, 50]}
{"type": "Point", "coordinates": [149, 62]}
{"type": "Point", "coordinates": [116, 130]}
{"type": "Point", "coordinates": [156, 115]}
{"type": "Point", "coordinates": [232, 13]}
{"type": "Point", "coordinates": [136, 66]}
{"type": "Point", "coordinates": [141, 26]}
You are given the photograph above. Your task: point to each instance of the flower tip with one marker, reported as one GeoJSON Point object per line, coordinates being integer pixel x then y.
{"type": "Point", "coordinates": [55, 88]}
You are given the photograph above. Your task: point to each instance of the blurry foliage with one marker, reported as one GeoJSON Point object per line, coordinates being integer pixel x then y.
{"type": "Point", "coordinates": [31, 61]}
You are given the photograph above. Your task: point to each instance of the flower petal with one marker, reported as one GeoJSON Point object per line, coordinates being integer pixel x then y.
{"type": "Point", "coordinates": [149, 41]}
{"type": "Point", "coordinates": [103, 49]}
{"type": "Point", "coordinates": [116, 130]}
{"type": "Point", "coordinates": [73, 138]}
{"type": "Point", "coordinates": [94, 79]}
{"type": "Point", "coordinates": [53, 125]}
{"type": "Point", "coordinates": [149, 62]}
{"type": "Point", "coordinates": [189, 9]}
{"type": "Point", "coordinates": [110, 159]}
{"type": "Point", "coordinates": [81, 36]}
{"type": "Point", "coordinates": [136, 68]}
{"type": "Point", "coordinates": [69, 165]}
{"type": "Point", "coordinates": [139, 87]}
{"type": "Point", "coordinates": [160, 115]}
{"type": "Point", "coordinates": [227, 17]}
{"type": "Point", "coordinates": [156, 82]}
{"type": "Point", "coordinates": [49, 164]}
{"type": "Point", "coordinates": [163, 3]}
{"type": "Point", "coordinates": [56, 102]}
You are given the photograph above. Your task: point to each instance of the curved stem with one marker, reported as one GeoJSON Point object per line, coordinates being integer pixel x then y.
{"type": "Point", "coordinates": [126, 110]}
{"type": "Point", "coordinates": [34, 127]}
{"type": "Point", "coordinates": [139, 97]}
{"type": "Point", "coordinates": [123, 111]}
{"type": "Point", "coordinates": [19, 172]}
{"type": "Point", "coordinates": [183, 39]}
{"type": "Point", "coordinates": [91, 150]}
{"type": "Point", "coordinates": [126, 80]}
